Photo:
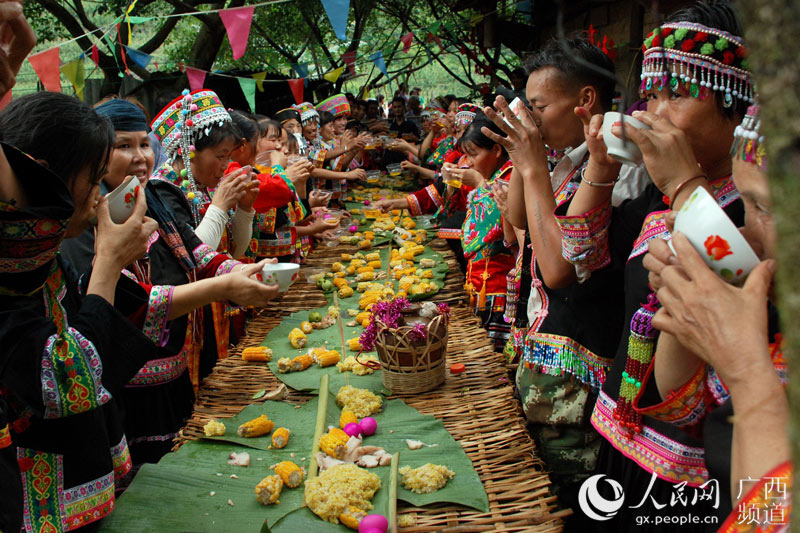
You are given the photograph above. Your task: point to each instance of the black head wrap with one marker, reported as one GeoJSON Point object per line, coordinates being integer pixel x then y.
{"type": "Point", "coordinates": [287, 114]}
{"type": "Point", "coordinates": [124, 115]}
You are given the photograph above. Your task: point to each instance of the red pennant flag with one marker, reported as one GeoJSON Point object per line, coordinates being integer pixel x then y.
{"type": "Point", "coordinates": [407, 39]}
{"type": "Point", "coordinates": [197, 78]}
{"type": "Point", "coordinates": [5, 100]}
{"type": "Point", "coordinates": [96, 55]}
{"type": "Point", "coordinates": [350, 60]}
{"type": "Point", "coordinates": [297, 89]}
{"type": "Point", "coordinates": [237, 24]}
{"type": "Point", "coordinates": [46, 65]}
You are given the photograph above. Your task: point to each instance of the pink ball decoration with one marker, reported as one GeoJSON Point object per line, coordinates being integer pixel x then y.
{"type": "Point", "coordinates": [353, 429]}
{"type": "Point", "coordinates": [193, 107]}
{"type": "Point", "coordinates": [177, 135]}
{"type": "Point", "coordinates": [366, 202]}
{"type": "Point", "coordinates": [353, 228]}
{"type": "Point", "coordinates": [368, 426]}
{"type": "Point", "coordinates": [373, 522]}
{"type": "Point", "coordinates": [191, 148]}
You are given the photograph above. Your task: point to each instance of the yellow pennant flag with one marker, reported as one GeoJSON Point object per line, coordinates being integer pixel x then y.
{"type": "Point", "coordinates": [259, 77]}
{"type": "Point", "coordinates": [76, 75]}
{"type": "Point", "coordinates": [333, 75]}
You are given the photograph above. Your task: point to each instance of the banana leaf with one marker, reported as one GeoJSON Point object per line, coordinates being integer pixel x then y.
{"type": "Point", "coordinates": [175, 494]}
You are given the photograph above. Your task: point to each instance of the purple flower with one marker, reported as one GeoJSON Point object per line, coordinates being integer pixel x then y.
{"type": "Point", "coordinates": [419, 332]}
{"type": "Point", "coordinates": [443, 308]}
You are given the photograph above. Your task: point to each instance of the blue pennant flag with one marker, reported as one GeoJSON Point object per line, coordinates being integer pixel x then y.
{"type": "Point", "coordinates": [338, 11]}
{"type": "Point", "coordinates": [377, 58]}
{"type": "Point", "coordinates": [139, 58]}
{"type": "Point", "coordinates": [301, 69]}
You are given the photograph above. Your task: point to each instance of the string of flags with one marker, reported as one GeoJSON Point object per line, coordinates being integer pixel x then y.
{"type": "Point", "coordinates": [237, 23]}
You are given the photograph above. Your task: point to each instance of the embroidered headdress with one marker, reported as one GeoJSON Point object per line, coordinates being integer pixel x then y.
{"type": "Point", "coordinates": [307, 112]}
{"type": "Point", "coordinates": [287, 114]}
{"type": "Point", "coordinates": [748, 143]}
{"type": "Point", "coordinates": [466, 113]}
{"type": "Point", "coordinates": [186, 119]}
{"type": "Point", "coordinates": [700, 58]}
{"type": "Point", "coordinates": [336, 104]}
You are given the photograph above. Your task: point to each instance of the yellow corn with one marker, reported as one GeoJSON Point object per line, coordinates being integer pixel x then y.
{"type": "Point", "coordinates": [339, 434]}
{"type": "Point", "coordinates": [373, 256]}
{"type": "Point", "coordinates": [297, 338]}
{"type": "Point", "coordinates": [408, 256]}
{"type": "Point", "coordinates": [328, 358]}
{"type": "Point", "coordinates": [364, 269]}
{"type": "Point", "coordinates": [375, 264]}
{"type": "Point", "coordinates": [350, 270]}
{"type": "Point", "coordinates": [257, 353]}
{"type": "Point", "coordinates": [354, 344]}
{"type": "Point", "coordinates": [369, 235]}
{"type": "Point", "coordinates": [333, 445]}
{"type": "Point", "coordinates": [280, 438]}
{"type": "Point", "coordinates": [396, 212]}
{"type": "Point", "coordinates": [365, 244]}
{"type": "Point", "coordinates": [269, 489]}
{"type": "Point", "coordinates": [361, 317]}
{"type": "Point", "coordinates": [346, 257]}
{"type": "Point", "coordinates": [427, 274]}
{"type": "Point", "coordinates": [256, 427]}
{"type": "Point", "coordinates": [338, 282]}
{"type": "Point", "coordinates": [346, 291]}
{"type": "Point", "coordinates": [365, 276]}
{"type": "Point", "coordinates": [301, 362]}
{"type": "Point", "coordinates": [290, 473]}
{"type": "Point", "coordinates": [357, 262]}
{"type": "Point", "coordinates": [336, 267]}
{"type": "Point", "coordinates": [409, 223]}
{"type": "Point", "coordinates": [347, 417]}
{"type": "Point", "coordinates": [284, 365]}
{"type": "Point", "coordinates": [306, 326]}
{"type": "Point", "coordinates": [339, 274]}
{"type": "Point", "coordinates": [352, 517]}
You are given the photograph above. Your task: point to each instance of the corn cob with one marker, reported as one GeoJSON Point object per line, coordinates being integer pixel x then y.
{"type": "Point", "coordinates": [357, 262]}
{"type": "Point", "coordinates": [280, 438]}
{"type": "Point", "coordinates": [427, 263]}
{"type": "Point", "coordinates": [427, 274]}
{"type": "Point", "coordinates": [346, 257]}
{"type": "Point", "coordinates": [369, 235]}
{"type": "Point", "coordinates": [351, 270]}
{"type": "Point", "coordinates": [338, 282]}
{"type": "Point", "coordinates": [352, 517]}
{"type": "Point", "coordinates": [306, 327]}
{"type": "Point", "coordinates": [396, 219]}
{"type": "Point", "coordinates": [257, 353]}
{"type": "Point", "coordinates": [297, 338]}
{"type": "Point", "coordinates": [396, 212]}
{"type": "Point", "coordinates": [365, 244]}
{"type": "Point", "coordinates": [336, 267]}
{"type": "Point", "coordinates": [373, 256]}
{"type": "Point", "coordinates": [284, 365]}
{"type": "Point", "coordinates": [256, 427]}
{"type": "Point", "coordinates": [353, 344]}
{"type": "Point", "coordinates": [408, 223]}
{"type": "Point", "coordinates": [362, 316]}
{"type": "Point", "coordinates": [375, 264]}
{"type": "Point", "coordinates": [346, 291]}
{"type": "Point", "coordinates": [363, 286]}
{"type": "Point", "coordinates": [333, 311]}
{"type": "Point", "coordinates": [365, 276]}
{"type": "Point", "coordinates": [339, 274]}
{"type": "Point", "coordinates": [290, 473]}
{"type": "Point", "coordinates": [328, 358]}
{"type": "Point", "coordinates": [347, 417]}
{"type": "Point", "coordinates": [269, 489]}
{"type": "Point", "coordinates": [333, 445]}
{"type": "Point", "coordinates": [301, 362]}
{"type": "Point", "coordinates": [365, 269]}
{"type": "Point", "coordinates": [339, 434]}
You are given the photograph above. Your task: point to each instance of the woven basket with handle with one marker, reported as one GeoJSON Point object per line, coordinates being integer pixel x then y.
{"type": "Point", "coordinates": [410, 364]}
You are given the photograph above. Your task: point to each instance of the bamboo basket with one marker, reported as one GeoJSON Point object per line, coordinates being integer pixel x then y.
{"type": "Point", "coordinates": [410, 365]}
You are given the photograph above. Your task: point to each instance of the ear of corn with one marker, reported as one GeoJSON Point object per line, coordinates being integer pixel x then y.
{"type": "Point", "coordinates": [375, 264]}
{"type": "Point", "coordinates": [301, 362]}
{"type": "Point", "coordinates": [346, 257]}
{"type": "Point", "coordinates": [336, 267]}
{"type": "Point", "coordinates": [328, 358]}
{"type": "Point", "coordinates": [306, 327]}
{"type": "Point", "coordinates": [345, 291]}
{"type": "Point", "coordinates": [353, 344]}
{"type": "Point", "coordinates": [269, 489]}
{"type": "Point", "coordinates": [256, 427]}
{"type": "Point", "coordinates": [347, 417]}
{"type": "Point", "coordinates": [350, 270]}
{"type": "Point", "coordinates": [365, 244]}
{"type": "Point", "coordinates": [339, 282]}
{"type": "Point", "coordinates": [280, 438]}
{"type": "Point", "coordinates": [364, 269]}
{"type": "Point", "coordinates": [297, 338]}
{"type": "Point", "coordinates": [257, 353]}
{"type": "Point", "coordinates": [357, 262]}
{"type": "Point", "coordinates": [365, 276]}
{"type": "Point", "coordinates": [352, 517]}
{"type": "Point", "coordinates": [290, 474]}
{"type": "Point", "coordinates": [333, 444]}
{"type": "Point", "coordinates": [284, 365]}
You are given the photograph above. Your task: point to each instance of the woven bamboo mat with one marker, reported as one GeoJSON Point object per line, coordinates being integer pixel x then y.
{"type": "Point", "coordinates": [476, 407]}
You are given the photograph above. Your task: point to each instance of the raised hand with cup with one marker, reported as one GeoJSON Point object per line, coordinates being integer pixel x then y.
{"type": "Point", "coordinates": [232, 189]}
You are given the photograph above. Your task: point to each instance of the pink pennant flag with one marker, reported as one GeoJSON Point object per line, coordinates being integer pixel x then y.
{"type": "Point", "coordinates": [96, 55]}
{"type": "Point", "coordinates": [350, 60]}
{"type": "Point", "coordinates": [407, 39]}
{"type": "Point", "coordinates": [237, 23]}
{"type": "Point", "coordinates": [297, 89]}
{"type": "Point", "coordinates": [5, 100]}
{"type": "Point", "coordinates": [196, 77]}
{"type": "Point", "coordinates": [46, 65]}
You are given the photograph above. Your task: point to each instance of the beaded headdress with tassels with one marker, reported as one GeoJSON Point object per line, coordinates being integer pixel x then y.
{"type": "Point", "coordinates": [186, 119]}
{"type": "Point", "coordinates": [748, 143]}
{"type": "Point", "coordinates": [700, 58]}
{"type": "Point", "coordinates": [466, 113]}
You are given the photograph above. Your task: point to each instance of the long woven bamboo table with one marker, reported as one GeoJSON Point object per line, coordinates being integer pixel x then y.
{"type": "Point", "coordinates": [476, 407]}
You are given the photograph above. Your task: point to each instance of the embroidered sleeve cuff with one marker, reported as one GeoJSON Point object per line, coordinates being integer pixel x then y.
{"type": "Point", "coordinates": [685, 407]}
{"type": "Point", "coordinates": [156, 320]}
{"type": "Point", "coordinates": [413, 205]}
{"type": "Point", "coordinates": [226, 267]}
{"type": "Point", "coordinates": [203, 255]}
{"type": "Point", "coordinates": [585, 237]}
{"type": "Point", "coordinates": [435, 196]}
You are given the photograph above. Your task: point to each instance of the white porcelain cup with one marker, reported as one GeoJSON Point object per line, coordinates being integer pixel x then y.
{"type": "Point", "coordinates": [715, 237]}
{"type": "Point", "coordinates": [283, 274]}
{"type": "Point", "coordinates": [122, 200]}
{"type": "Point", "coordinates": [626, 152]}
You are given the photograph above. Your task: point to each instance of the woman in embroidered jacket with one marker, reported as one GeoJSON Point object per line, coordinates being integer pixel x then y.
{"type": "Point", "coordinates": [697, 91]}
{"type": "Point", "coordinates": [728, 361]}
{"type": "Point", "coordinates": [65, 356]}
{"type": "Point", "coordinates": [159, 398]}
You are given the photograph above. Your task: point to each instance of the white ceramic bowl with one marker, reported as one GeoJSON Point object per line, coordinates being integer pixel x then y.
{"type": "Point", "coordinates": [715, 237]}
{"type": "Point", "coordinates": [283, 274]}
{"type": "Point", "coordinates": [122, 200]}
{"type": "Point", "coordinates": [626, 153]}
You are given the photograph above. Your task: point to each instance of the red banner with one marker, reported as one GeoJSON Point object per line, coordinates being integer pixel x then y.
{"type": "Point", "coordinates": [46, 65]}
{"type": "Point", "coordinates": [297, 89]}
